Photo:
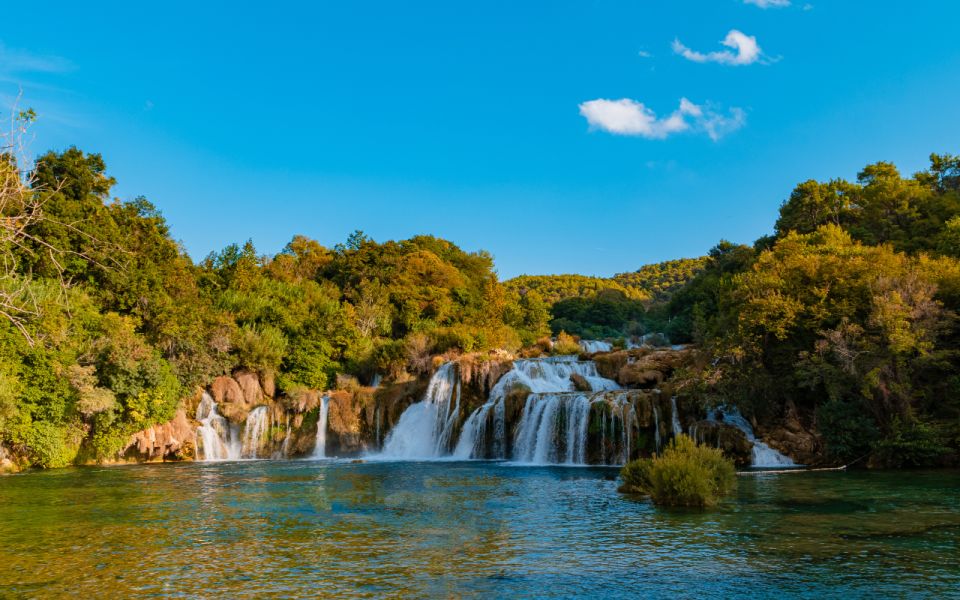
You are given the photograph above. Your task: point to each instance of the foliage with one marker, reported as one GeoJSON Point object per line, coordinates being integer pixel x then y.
{"type": "Point", "coordinates": [660, 280]}
{"type": "Point", "coordinates": [911, 444]}
{"type": "Point", "coordinates": [565, 344]}
{"type": "Point", "coordinates": [848, 314]}
{"type": "Point", "coordinates": [686, 474]}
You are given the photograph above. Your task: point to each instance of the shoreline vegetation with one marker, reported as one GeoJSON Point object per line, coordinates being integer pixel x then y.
{"type": "Point", "coordinates": [836, 336]}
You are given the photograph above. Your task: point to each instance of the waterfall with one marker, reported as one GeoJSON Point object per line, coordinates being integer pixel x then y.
{"type": "Point", "coordinates": [628, 433]}
{"type": "Point", "coordinates": [555, 420]}
{"type": "Point", "coordinates": [592, 346]}
{"type": "Point", "coordinates": [553, 429]}
{"type": "Point", "coordinates": [763, 455]}
{"type": "Point", "coordinates": [656, 427]}
{"type": "Point", "coordinates": [320, 446]}
{"type": "Point", "coordinates": [473, 434]}
{"type": "Point", "coordinates": [425, 429]}
{"type": "Point", "coordinates": [253, 431]}
{"type": "Point", "coordinates": [285, 448]}
{"type": "Point", "coordinates": [675, 417]}
{"type": "Point", "coordinates": [218, 438]}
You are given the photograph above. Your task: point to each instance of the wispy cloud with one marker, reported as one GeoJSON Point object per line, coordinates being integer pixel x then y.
{"type": "Point", "coordinates": [16, 61]}
{"type": "Point", "coordinates": [644, 54]}
{"type": "Point", "coordinates": [744, 50]}
{"type": "Point", "coordinates": [768, 3]}
{"type": "Point", "coordinates": [632, 118]}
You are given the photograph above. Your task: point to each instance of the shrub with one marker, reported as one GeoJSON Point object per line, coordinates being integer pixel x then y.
{"type": "Point", "coordinates": [911, 444]}
{"type": "Point", "coordinates": [260, 348]}
{"type": "Point", "coordinates": [565, 344]}
{"type": "Point", "coordinates": [847, 428]}
{"type": "Point", "coordinates": [686, 474]}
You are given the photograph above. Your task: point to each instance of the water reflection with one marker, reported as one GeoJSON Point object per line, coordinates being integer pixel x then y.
{"type": "Point", "coordinates": [306, 528]}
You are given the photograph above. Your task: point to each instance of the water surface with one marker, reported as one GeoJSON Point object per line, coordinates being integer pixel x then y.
{"type": "Point", "coordinates": [309, 528]}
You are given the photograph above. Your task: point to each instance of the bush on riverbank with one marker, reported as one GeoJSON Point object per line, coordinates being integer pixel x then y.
{"type": "Point", "coordinates": [686, 474]}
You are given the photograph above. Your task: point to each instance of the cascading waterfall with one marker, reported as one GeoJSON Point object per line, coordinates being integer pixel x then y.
{"type": "Point", "coordinates": [553, 429]}
{"type": "Point", "coordinates": [675, 417]}
{"type": "Point", "coordinates": [217, 438]}
{"type": "Point", "coordinates": [425, 429]}
{"type": "Point", "coordinates": [763, 455]}
{"type": "Point", "coordinates": [656, 427]}
{"type": "Point", "coordinates": [592, 346]}
{"type": "Point", "coordinates": [257, 424]}
{"type": "Point", "coordinates": [554, 424]}
{"type": "Point", "coordinates": [320, 447]}
{"type": "Point", "coordinates": [285, 448]}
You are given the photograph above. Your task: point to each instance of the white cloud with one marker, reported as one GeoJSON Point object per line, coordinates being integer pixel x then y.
{"type": "Point", "coordinates": [644, 54]}
{"type": "Point", "coordinates": [21, 61]}
{"type": "Point", "coordinates": [768, 3]}
{"type": "Point", "coordinates": [746, 49]}
{"type": "Point", "coordinates": [631, 118]}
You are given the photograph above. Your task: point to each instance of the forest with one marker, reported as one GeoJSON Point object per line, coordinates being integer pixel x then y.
{"type": "Point", "coordinates": [846, 312]}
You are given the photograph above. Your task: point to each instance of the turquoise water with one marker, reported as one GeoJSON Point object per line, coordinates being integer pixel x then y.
{"type": "Point", "coordinates": [301, 528]}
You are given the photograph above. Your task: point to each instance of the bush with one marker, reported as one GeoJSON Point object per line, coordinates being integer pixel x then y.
{"type": "Point", "coordinates": [260, 348]}
{"type": "Point", "coordinates": [847, 428]}
{"type": "Point", "coordinates": [911, 444]}
{"type": "Point", "coordinates": [565, 344]}
{"type": "Point", "coordinates": [686, 474]}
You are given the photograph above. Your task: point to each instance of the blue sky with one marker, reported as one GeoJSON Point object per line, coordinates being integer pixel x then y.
{"type": "Point", "coordinates": [563, 137]}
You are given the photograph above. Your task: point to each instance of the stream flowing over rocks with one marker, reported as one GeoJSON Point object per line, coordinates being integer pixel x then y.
{"type": "Point", "coordinates": [604, 407]}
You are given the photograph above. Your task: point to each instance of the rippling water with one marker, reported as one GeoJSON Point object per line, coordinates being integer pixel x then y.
{"type": "Point", "coordinates": [302, 528]}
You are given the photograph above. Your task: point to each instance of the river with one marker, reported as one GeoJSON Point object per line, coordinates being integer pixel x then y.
{"type": "Point", "coordinates": [336, 528]}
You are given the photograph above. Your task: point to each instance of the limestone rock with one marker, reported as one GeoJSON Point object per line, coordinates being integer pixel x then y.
{"type": "Point", "coordinates": [173, 440]}
{"type": "Point", "coordinates": [250, 386]}
{"type": "Point", "coordinates": [728, 438]}
{"type": "Point", "coordinates": [230, 399]}
{"type": "Point", "coordinates": [580, 383]}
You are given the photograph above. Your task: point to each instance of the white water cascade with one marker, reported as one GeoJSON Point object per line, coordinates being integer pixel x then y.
{"type": "Point", "coordinates": [217, 438]}
{"type": "Point", "coordinates": [543, 418]}
{"type": "Point", "coordinates": [656, 428]}
{"type": "Point", "coordinates": [555, 419]}
{"type": "Point", "coordinates": [425, 428]}
{"type": "Point", "coordinates": [675, 417]}
{"type": "Point", "coordinates": [320, 447]}
{"type": "Point", "coordinates": [763, 455]}
{"type": "Point", "coordinates": [592, 346]}
{"type": "Point", "coordinates": [257, 424]}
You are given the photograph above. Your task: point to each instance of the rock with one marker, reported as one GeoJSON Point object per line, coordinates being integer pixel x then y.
{"type": "Point", "coordinates": [343, 424]}
{"type": "Point", "coordinates": [301, 401]}
{"type": "Point", "coordinates": [7, 464]}
{"type": "Point", "coordinates": [250, 386]}
{"type": "Point", "coordinates": [230, 399]}
{"type": "Point", "coordinates": [728, 438]}
{"type": "Point", "coordinates": [173, 440]}
{"type": "Point", "coordinates": [609, 364]}
{"type": "Point", "coordinates": [637, 375]}
{"type": "Point", "coordinates": [268, 383]}
{"type": "Point", "coordinates": [580, 383]}
{"type": "Point", "coordinates": [804, 447]}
